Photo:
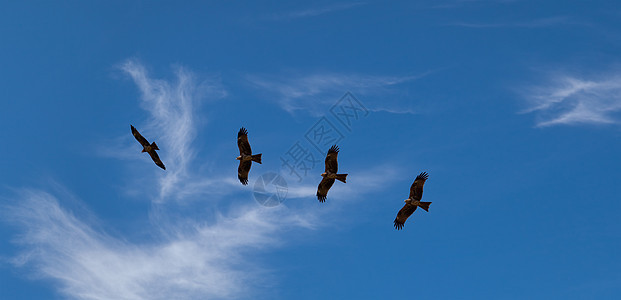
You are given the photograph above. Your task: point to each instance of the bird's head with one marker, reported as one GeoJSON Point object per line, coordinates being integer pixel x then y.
{"type": "Point", "coordinates": [324, 174]}
{"type": "Point", "coordinates": [408, 201]}
{"type": "Point", "coordinates": [238, 158]}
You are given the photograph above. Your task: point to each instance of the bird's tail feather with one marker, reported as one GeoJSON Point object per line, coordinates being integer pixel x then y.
{"type": "Point", "coordinates": [257, 158]}
{"type": "Point", "coordinates": [425, 205]}
{"type": "Point", "coordinates": [341, 177]}
{"type": "Point", "coordinates": [154, 146]}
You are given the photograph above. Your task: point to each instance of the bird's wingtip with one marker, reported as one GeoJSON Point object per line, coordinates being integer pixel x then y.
{"type": "Point", "coordinates": [398, 225]}
{"type": "Point", "coordinates": [242, 131]}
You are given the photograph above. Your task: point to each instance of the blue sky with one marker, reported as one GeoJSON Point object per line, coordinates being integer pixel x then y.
{"type": "Point", "coordinates": [512, 107]}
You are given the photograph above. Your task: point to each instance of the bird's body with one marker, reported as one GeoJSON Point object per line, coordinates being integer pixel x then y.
{"type": "Point", "coordinates": [413, 202]}
{"type": "Point", "coordinates": [148, 147]}
{"type": "Point", "coordinates": [330, 174]}
{"type": "Point", "coordinates": [245, 156]}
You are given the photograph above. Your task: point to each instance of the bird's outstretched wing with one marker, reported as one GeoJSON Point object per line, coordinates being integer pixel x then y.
{"type": "Point", "coordinates": [156, 159]}
{"type": "Point", "coordinates": [243, 170]}
{"type": "Point", "coordinates": [416, 190]}
{"type": "Point", "coordinates": [323, 188]}
{"type": "Point", "coordinates": [139, 137]}
{"type": "Point", "coordinates": [332, 164]}
{"type": "Point", "coordinates": [406, 211]}
{"type": "Point", "coordinates": [242, 142]}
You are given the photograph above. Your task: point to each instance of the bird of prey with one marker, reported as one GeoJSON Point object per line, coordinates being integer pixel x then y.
{"type": "Point", "coordinates": [329, 175]}
{"type": "Point", "coordinates": [245, 156]}
{"type": "Point", "coordinates": [149, 148]}
{"type": "Point", "coordinates": [416, 193]}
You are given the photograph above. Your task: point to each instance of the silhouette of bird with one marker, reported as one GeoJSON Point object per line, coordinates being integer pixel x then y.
{"type": "Point", "coordinates": [329, 175]}
{"type": "Point", "coordinates": [411, 203]}
{"type": "Point", "coordinates": [245, 156]}
{"type": "Point", "coordinates": [149, 148]}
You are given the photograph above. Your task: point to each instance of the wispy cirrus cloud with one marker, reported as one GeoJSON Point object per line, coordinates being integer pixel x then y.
{"type": "Point", "coordinates": [535, 23]}
{"type": "Point", "coordinates": [460, 3]}
{"type": "Point", "coordinates": [204, 262]}
{"type": "Point", "coordinates": [568, 100]}
{"type": "Point", "coordinates": [316, 11]}
{"type": "Point", "coordinates": [173, 108]}
{"type": "Point", "coordinates": [189, 256]}
{"type": "Point", "coordinates": [361, 182]}
{"type": "Point", "coordinates": [314, 92]}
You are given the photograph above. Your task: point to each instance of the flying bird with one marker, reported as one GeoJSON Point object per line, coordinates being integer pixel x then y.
{"type": "Point", "coordinates": [149, 148]}
{"type": "Point", "coordinates": [329, 175]}
{"type": "Point", "coordinates": [411, 203]}
{"type": "Point", "coordinates": [245, 156]}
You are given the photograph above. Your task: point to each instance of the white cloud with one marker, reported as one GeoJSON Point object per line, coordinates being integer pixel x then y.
{"type": "Point", "coordinates": [317, 92]}
{"type": "Point", "coordinates": [173, 107]}
{"type": "Point", "coordinates": [209, 261]}
{"type": "Point", "coordinates": [570, 100]}
{"type": "Point", "coordinates": [187, 257]}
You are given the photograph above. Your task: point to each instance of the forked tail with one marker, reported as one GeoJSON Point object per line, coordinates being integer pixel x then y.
{"type": "Point", "coordinates": [424, 205]}
{"type": "Point", "coordinates": [341, 177]}
{"type": "Point", "coordinates": [257, 158]}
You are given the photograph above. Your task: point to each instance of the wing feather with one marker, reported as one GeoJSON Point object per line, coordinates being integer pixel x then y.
{"type": "Point", "coordinates": [242, 142]}
{"type": "Point", "coordinates": [139, 137]}
{"type": "Point", "coordinates": [416, 190]}
{"type": "Point", "coordinates": [406, 211]}
{"type": "Point", "coordinates": [243, 170]}
{"type": "Point", "coordinates": [332, 164]}
{"type": "Point", "coordinates": [323, 188]}
{"type": "Point", "coordinates": [156, 159]}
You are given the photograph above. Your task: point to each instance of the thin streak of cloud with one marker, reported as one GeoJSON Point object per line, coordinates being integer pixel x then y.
{"type": "Point", "coordinates": [313, 92]}
{"type": "Point", "coordinates": [568, 100]}
{"type": "Point", "coordinates": [537, 23]}
{"type": "Point", "coordinates": [460, 3]}
{"type": "Point", "coordinates": [359, 183]}
{"type": "Point", "coordinates": [312, 12]}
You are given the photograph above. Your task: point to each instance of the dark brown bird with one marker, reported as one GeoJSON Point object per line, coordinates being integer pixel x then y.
{"type": "Point", "coordinates": [149, 148]}
{"type": "Point", "coordinates": [416, 193]}
{"type": "Point", "coordinates": [329, 175]}
{"type": "Point", "coordinates": [245, 156]}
